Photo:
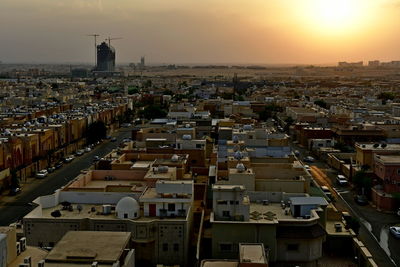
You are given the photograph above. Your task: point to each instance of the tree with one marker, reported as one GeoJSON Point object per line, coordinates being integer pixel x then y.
{"type": "Point", "coordinates": [147, 84]}
{"type": "Point", "coordinates": [321, 103]}
{"type": "Point", "coordinates": [386, 96]}
{"type": "Point", "coordinates": [133, 90]}
{"type": "Point", "coordinates": [152, 112]}
{"type": "Point", "coordinates": [95, 132]}
{"type": "Point", "coordinates": [14, 179]}
{"type": "Point", "coordinates": [269, 111]}
{"type": "Point", "coordinates": [362, 181]}
{"type": "Point", "coordinates": [289, 121]}
{"type": "Point", "coordinates": [168, 92]}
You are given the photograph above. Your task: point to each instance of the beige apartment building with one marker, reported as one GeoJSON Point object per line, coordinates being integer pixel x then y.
{"type": "Point", "coordinates": [160, 219]}
{"type": "Point", "coordinates": [291, 227]}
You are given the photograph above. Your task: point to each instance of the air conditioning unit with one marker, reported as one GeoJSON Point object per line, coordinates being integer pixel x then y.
{"type": "Point", "coordinates": [23, 265]}
{"type": "Point", "coordinates": [116, 264]}
{"type": "Point", "coordinates": [28, 260]}
{"type": "Point", "coordinates": [265, 202]}
{"type": "Point", "coordinates": [106, 209]}
{"type": "Point", "coordinates": [307, 216]}
{"type": "Point", "coordinates": [95, 264]}
{"type": "Point", "coordinates": [40, 263]}
{"type": "Point", "coordinates": [18, 248]}
{"type": "Point", "coordinates": [23, 243]}
{"type": "Point", "coordinates": [338, 227]}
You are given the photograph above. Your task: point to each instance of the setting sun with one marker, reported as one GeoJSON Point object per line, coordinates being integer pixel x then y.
{"type": "Point", "coordinates": [333, 16]}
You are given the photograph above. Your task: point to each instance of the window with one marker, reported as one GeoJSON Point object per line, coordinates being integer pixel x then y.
{"type": "Point", "coordinates": [232, 202]}
{"type": "Point", "coordinates": [225, 247]}
{"type": "Point", "coordinates": [126, 215]}
{"type": "Point", "coordinates": [222, 202]}
{"type": "Point", "coordinates": [176, 247]}
{"type": "Point", "coordinates": [398, 171]}
{"type": "Point", "coordinates": [171, 207]}
{"type": "Point", "coordinates": [292, 247]}
{"type": "Point", "coordinates": [198, 146]}
{"type": "Point", "coordinates": [225, 213]}
{"type": "Point", "coordinates": [165, 247]}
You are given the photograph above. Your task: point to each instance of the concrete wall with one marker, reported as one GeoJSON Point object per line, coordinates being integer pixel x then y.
{"type": "Point", "coordinates": [276, 171]}
{"type": "Point", "coordinates": [3, 250]}
{"type": "Point", "coordinates": [235, 233]}
{"type": "Point", "coordinates": [308, 250]}
{"type": "Point", "coordinates": [275, 185]}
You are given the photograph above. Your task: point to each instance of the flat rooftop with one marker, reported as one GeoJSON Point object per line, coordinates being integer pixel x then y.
{"type": "Point", "coordinates": [390, 159]}
{"type": "Point", "coordinates": [87, 213]}
{"type": "Point", "coordinates": [84, 246]}
{"type": "Point", "coordinates": [373, 146]}
{"type": "Point", "coordinates": [219, 263]}
{"type": "Point", "coordinates": [135, 186]}
{"type": "Point", "coordinates": [330, 229]}
{"type": "Point", "coordinates": [252, 253]}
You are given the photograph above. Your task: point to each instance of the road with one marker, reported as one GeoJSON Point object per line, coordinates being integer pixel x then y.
{"type": "Point", "coordinates": [374, 231]}
{"type": "Point", "coordinates": [15, 208]}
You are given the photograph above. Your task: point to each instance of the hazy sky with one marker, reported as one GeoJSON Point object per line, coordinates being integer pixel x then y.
{"type": "Point", "coordinates": [202, 31]}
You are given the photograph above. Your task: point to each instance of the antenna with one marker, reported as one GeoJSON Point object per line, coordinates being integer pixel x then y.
{"type": "Point", "coordinates": [95, 47]}
{"type": "Point", "coordinates": [109, 40]}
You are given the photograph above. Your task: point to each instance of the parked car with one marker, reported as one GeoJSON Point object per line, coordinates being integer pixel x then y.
{"type": "Point", "coordinates": [15, 191]}
{"type": "Point", "coordinates": [341, 180]}
{"type": "Point", "coordinates": [361, 200]}
{"type": "Point", "coordinates": [307, 167]}
{"type": "Point", "coordinates": [96, 158]}
{"type": "Point", "coordinates": [126, 125]}
{"type": "Point", "coordinates": [126, 140]}
{"type": "Point", "coordinates": [58, 165]}
{"type": "Point", "coordinates": [80, 152]}
{"type": "Point", "coordinates": [88, 149]}
{"type": "Point", "coordinates": [51, 169]}
{"type": "Point", "coordinates": [69, 158]}
{"type": "Point", "coordinates": [42, 174]}
{"type": "Point", "coordinates": [398, 212]}
{"type": "Point", "coordinates": [327, 192]}
{"type": "Point", "coordinates": [108, 137]}
{"type": "Point", "coordinates": [297, 153]}
{"type": "Point", "coordinates": [308, 159]}
{"type": "Point", "coordinates": [395, 230]}
{"type": "Point", "coordinates": [114, 139]}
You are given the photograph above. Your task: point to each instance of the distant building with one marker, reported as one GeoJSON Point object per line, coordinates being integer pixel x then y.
{"type": "Point", "coordinates": [374, 63]}
{"type": "Point", "coordinates": [105, 58]}
{"type": "Point", "coordinates": [142, 62]}
{"type": "Point", "coordinates": [350, 64]}
{"type": "Point", "coordinates": [79, 73]}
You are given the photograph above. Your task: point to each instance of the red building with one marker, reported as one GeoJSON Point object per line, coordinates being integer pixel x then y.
{"type": "Point", "coordinates": [387, 169]}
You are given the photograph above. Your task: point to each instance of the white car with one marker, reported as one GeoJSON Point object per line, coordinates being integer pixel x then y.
{"type": "Point", "coordinates": [42, 174]}
{"type": "Point", "coordinates": [69, 159]}
{"type": "Point", "coordinates": [341, 180]}
{"type": "Point", "coordinates": [88, 149]}
{"type": "Point", "coordinates": [307, 167]}
{"type": "Point", "coordinates": [80, 152]}
{"type": "Point", "coordinates": [395, 230]}
{"type": "Point", "coordinates": [309, 159]}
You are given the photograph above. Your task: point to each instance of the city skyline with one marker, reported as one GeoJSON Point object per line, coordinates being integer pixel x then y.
{"type": "Point", "coordinates": [260, 32]}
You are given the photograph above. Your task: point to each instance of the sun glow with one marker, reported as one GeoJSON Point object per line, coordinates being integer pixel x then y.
{"type": "Point", "coordinates": [335, 15]}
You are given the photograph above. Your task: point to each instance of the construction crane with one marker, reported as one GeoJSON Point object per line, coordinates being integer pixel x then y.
{"type": "Point", "coordinates": [95, 47]}
{"type": "Point", "coordinates": [109, 40]}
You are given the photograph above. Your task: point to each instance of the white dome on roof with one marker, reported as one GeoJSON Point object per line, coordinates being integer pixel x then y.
{"type": "Point", "coordinates": [174, 158]}
{"type": "Point", "coordinates": [240, 167]}
{"type": "Point", "coordinates": [127, 208]}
